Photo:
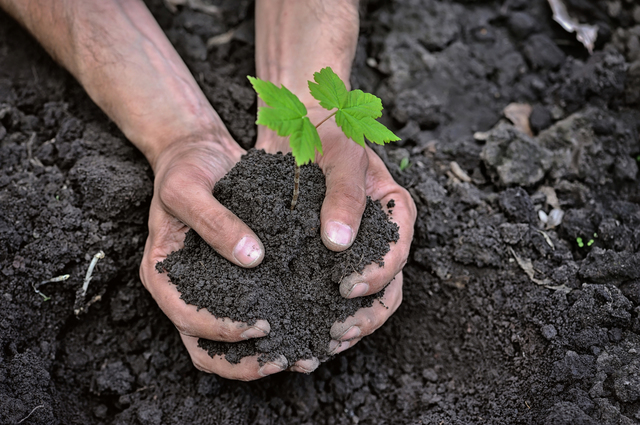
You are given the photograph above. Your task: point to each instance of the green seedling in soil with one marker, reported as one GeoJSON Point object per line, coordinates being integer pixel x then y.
{"type": "Point", "coordinates": [404, 164]}
{"type": "Point", "coordinates": [590, 242]}
{"type": "Point", "coordinates": [355, 112]}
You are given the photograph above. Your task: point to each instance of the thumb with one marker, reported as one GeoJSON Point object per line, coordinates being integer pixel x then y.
{"type": "Point", "coordinates": [345, 198]}
{"type": "Point", "coordinates": [195, 206]}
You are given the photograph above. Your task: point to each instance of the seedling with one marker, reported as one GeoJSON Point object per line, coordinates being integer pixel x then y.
{"type": "Point", "coordinates": [35, 286]}
{"type": "Point", "coordinates": [79, 305]}
{"type": "Point", "coordinates": [355, 112]}
{"type": "Point", "coordinates": [590, 242]}
{"type": "Point", "coordinates": [404, 164]}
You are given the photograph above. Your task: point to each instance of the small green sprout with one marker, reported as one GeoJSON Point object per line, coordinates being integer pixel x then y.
{"type": "Point", "coordinates": [638, 158]}
{"type": "Point", "coordinates": [590, 242]}
{"type": "Point", "coordinates": [404, 164]}
{"type": "Point", "coordinates": [355, 113]}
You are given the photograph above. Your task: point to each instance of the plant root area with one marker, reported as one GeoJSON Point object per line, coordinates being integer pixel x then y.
{"type": "Point", "coordinates": [522, 289]}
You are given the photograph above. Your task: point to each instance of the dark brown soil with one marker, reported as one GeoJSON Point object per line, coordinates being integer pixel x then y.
{"type": "Point", "coordinates": [476, 340]}
{"type": "Point", "coordinates": [295, 288]}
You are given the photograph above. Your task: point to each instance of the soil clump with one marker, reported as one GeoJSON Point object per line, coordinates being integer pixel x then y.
{"type": "Point", "coordinates": [295, 288]}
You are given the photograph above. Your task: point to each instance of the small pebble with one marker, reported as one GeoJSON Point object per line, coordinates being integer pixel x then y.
{"type": "Point", "coordinates": [549, 331]}
{"type": "Point", "coordinates": [543, 216]}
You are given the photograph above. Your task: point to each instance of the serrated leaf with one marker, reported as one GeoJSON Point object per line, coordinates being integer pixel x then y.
{"type": "Point", "coordinates": [358, 128]}
{"type": "Point", "coordinates": [328, 89]}
{"type": "Point", "coordinates": [286, 115]}
{"type": "Point", "coordinates": [285, 112]}
{"type": "Point", "coordinates": [360, 105]}
{"type": "Point", "coordinates": [304, 142]}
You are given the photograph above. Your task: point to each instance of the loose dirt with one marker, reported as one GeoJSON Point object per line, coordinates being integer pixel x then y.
{"type": "Point", "coordinates": [295, 288]}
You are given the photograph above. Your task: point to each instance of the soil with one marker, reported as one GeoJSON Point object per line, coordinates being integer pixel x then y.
{"type": "Point", "coordinates": [295, 288]}
{"type": "Point", "coordinates": [480, 336]}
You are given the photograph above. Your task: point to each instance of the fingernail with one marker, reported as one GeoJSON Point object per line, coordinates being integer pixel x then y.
{"type": "Point", "coordinates": [358, 290]}
{"type": "Point", "coordinates": [271, 368]}
{"type": "Point", "coordinates": [253, 332]}
{"type": "Point", "coordinates": [352, 332]}
{"type": "Point", "coordinates": [306, 366]}
{"type": "Point", "coordinates": [339, 233]}
{"type": "Point", "coordinates": [247, 252]}
{"type": "Point", "coordinates": [336, 347]}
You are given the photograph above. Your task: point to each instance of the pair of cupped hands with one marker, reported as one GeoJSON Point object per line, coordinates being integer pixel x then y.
{"type": "Point", "coordinates": [185, 174]}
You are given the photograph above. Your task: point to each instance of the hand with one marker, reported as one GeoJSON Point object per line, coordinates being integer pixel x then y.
{"type": "Point", "coordinates": [186, 172]}
{"type": "Point", "coordinates": [353, 173]}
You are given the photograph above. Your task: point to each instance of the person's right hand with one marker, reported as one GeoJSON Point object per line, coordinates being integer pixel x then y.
{"type": "Point", "coordinates": [185, 174]}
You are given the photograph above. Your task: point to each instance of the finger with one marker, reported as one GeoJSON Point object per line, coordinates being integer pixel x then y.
{"type": "Point", "coordinates": [305, 366]}
{"type": "Point", "coordinates": [193, 203]}
{"type": "Point", "coordinates": [373, 278]}
{"type": "Point", "coordinates": [191, 321]}
{"type": "Point", "coordinates": [367, 320]}
{"type": "Point", "coordinates": [345, 197]}
{"type": "Point", "coordinates": [247, 370]}
{"type": "Point", "coordinates": [163, 237]}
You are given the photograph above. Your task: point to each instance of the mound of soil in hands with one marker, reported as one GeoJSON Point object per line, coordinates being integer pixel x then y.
{"type": "Point", "coordinates": [475, 341]}
{"type": "Point", "coordinates": [295, 288]}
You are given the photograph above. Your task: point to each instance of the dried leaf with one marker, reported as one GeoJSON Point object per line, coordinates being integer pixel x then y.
{"type": "Point", "coordinates": [220, 39]}
{"type": "Point", "coordinates": [459, 172]}
{"type": "Point", "coordinates": [527, 267]}
{"type": "Point", "coordinates": [586, 34]}
{"type": "Point", "coordinates": [199, 5]}
{"type": "Point", "coordinates": [518, 114]}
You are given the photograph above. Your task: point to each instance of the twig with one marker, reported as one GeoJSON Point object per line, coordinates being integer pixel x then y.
{"type": "Point", "coordinates": [53, 279]}
{"type": "Point", "coordinates": [27, 417]}
{"type": "Point", "coordinates": [87, 278]}
{"type": "Point", "coordinates": [80, 305]}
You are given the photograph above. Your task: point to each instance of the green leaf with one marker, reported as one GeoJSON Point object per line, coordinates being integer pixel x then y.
{"type": "Point", "coordinates": [404, 163]}
{"type": "Point", "coordinates": [357, 110]}
{"type": "Point", "coordinates": [304, 142]}
{"type": "Point", "coordinates": [285, 112]}
{"type": "Point", "coordinates": [357, 129]}
{"type": "Point", "coordinates": [287, 116]}
{"type": "Point", "coordinates": [360, 104]}
{"type": "Point", "coordinates": [328, 89]}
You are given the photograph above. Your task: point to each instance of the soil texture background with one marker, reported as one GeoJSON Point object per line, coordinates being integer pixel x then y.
{"type": "Point", "coordinates": [505, 319]}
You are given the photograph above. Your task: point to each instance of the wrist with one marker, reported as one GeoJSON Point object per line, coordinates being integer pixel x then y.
{"type": "Point", "coordinates": [193, 149]}
{"type": "Point", "coordinates": [295, 39]}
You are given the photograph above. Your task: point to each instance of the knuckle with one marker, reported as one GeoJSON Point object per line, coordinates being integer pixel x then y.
{"type": "Point", "coordinates": [226, 332]}
{"type": "Point", "coordinates": [170, 192]}
{"type": "Point", "coordinates": [369, 324]}
{"type": "Point", "coordinates": [353, 191]}
{"type": "Point", "coordinates": [222, 224]}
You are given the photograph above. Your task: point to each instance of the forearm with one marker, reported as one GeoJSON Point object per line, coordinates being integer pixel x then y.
{"type": "Point", "coordinates": [296, 38]}
{"type": "Point", "coordinates": [126, 64]}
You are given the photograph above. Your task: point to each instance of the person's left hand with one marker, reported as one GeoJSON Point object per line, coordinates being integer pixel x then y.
{"type": "Point", "coordinates": [353, 173]}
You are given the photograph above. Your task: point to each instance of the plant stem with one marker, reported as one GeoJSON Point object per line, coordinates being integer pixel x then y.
{"type": "Point", "coordinates": [296, 179]}
{"type": "Point", "coordinates": [321, 122]}
{"type": "Point", "coordinates": [296, 188]}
